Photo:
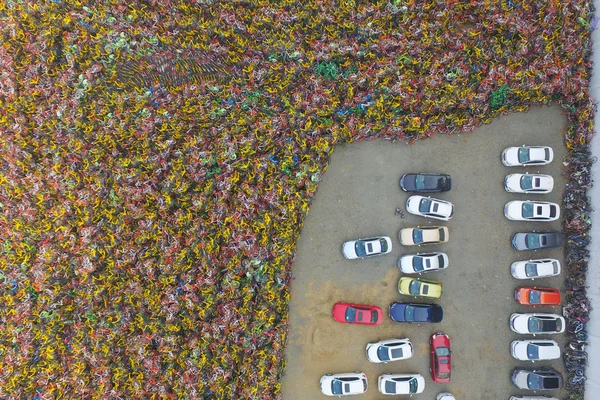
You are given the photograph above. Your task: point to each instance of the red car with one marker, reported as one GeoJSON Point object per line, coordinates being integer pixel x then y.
{"type": "Point", "coordinates": [357, 314]}
{"type": "Point", "coordinates": [440, 357]}
{"type": "Point", "coordinates": [534, 296]}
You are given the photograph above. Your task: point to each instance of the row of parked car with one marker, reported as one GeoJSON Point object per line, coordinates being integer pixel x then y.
{"type": "Point", "coordinates": [389, 350]}
{"type": "Point", "coordinates": [534, 323]}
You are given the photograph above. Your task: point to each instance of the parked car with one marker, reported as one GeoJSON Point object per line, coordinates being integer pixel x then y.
{"type": "Point", "coordinates": [423, 235]}
{"type": "Point", "coordinates": [363, 248]}
{"type": "Point", "coordinates": [415, 312]}
{"type": "Point", "coordinates": [534, 211]}
{"type": "Point", "coordinates": [536, 296]}
{"type": "Point", "coordinates": [445, 396]}
{"type": "Point", "coordinates": [534, 350]}
{"type": "Point", "coordinates": [532, 269]}
{"type": "Point", "coordinates": [423, 262]}
{"type": "Point", "coordinates": [536, 240]}
{"type": "Point", "coordinates": [344, 384]}
{"type": "Point", "coordinates": [430, 208]}
{"type": "Point", "coordinates": [537, 379]}
{"type": "Point", "coordinates": [425, 183]}
{"type": "Point", "coordinates": [389, 350]}
{"type": "Point", "coordinates": [357, 314]}
{"type": "Point", "coordinates": [529, 183]}
{"type": "Point", "coordinates": [420, 287]}
{"type": "Point", "coordinates": [536, 324]}
{"type": "Point", "coordinates": [401, 383]}
{"type": "Point", "coordinates": [532, 398]}
{"type": "Point", "coordinates": [527, 155]}
{"type": "Point", "coordinates": [441, 365]}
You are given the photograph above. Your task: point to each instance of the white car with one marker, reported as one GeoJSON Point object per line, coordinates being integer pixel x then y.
{"type": "Point", "coordinates": [532, 269]}
{"type": "Point", "coordinates": [529, 183]}
{"type": "Point", "coordinates": [535, 324]}
{"type": "Point", "coordinates": [527, 155]}
{"type": "Point", "coordinates": [344, 384]}
{"type": "Point", "coordinates": [362, 248]}
{"type": "Point", "coordinates": [388, 350]}
{"type": "Point", "coordinates": [534, 350]}
{"type": "Point", "coordinates": [445, 396]}
{"type": "Point", "coordinates": [532, 398]}
{"type": "Point", "coordinates": [401, 383]}
{"type": "Point", "coordinates": [430, 208]}
{"type": "Point", "coordinates": [423, 262]}
{"type": "Point", "coordinates": [518, 210]}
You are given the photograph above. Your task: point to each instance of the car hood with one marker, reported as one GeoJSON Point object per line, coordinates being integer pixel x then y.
{"type": "Point", "coordinates": [513, 209]}
{"type": "Point", "coordinates": [511, 155]}
{"type": "Point", "coordinates": [349, 251]}
{"type": "Point", "coordinates": [520, 379]}
{"type": "Point", "coordinates": [519, 349]}
{"type": "Point", "coordinates": [412, 204]}
{"type": "Point", "coordinates": [519, 324]}
{"type": "Point", "coordinates": [397, 312]}
{"type": "Point", "coordinates": [519, 241]}
{"type": "Point", "coordinates": [517, 269]}
{"type": "Point", "coordinates": [408, 182]}
{"type": "Point", "coordinates": [406, 236]}
{"type": "Point", "coordinates": [372, 352]}
{"type": "Point", "coordinates": [405, 263]}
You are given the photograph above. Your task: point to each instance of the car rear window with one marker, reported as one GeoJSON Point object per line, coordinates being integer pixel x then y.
{"type": "Point", "coordinates": [442, 235]}
{"type": "Point", "coordinates": [552, 212]}
{"type": "Point", "coordinates": [374, 316]}
{"type": "Point", "coordinates": [551, 383]}
{"type": "Point", "coordinates": [544, 241]}
{"type": "Point", "coordinates": [384, 245]}
{"type": "Point", "coordinates": [547, 154]}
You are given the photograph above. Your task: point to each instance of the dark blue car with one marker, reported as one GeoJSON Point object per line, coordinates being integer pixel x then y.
{"type": "Point", "coordinates": [415, 312]}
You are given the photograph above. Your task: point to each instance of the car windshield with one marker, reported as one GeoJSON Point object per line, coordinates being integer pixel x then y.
{"type": "Point", "coordinates": [336, 387]}
{"type": "Point", "coordinates": [350, 314]}
{"type": "Point", "coordinates": [384, 245]}
{"type": "Point", "coordinates": [418, 236]}
{"type": "Point", "coordinates": [418, 263]}
{"type": "Point", "coordinates": [526, 182]}
{"type": "Point", "coordinates": [409, 313]}
{"type": "Point", "coordinates": [532, 352]}
{"type": "Point", "coordinates": [534, 381]}
{"type": "Point", "coordinates": [533, 241]}
{"type": "Point", "coordinates": [442, 234]}
{"type": "Point", "coordinates": [413, 386]}
{"type": "Point", "coordinates": [397, 353]}
{"type": "Point", "coordinates": [523, 155]}
{"type": "Point", "coordinates": [444, 375]}
{"type": "Point", "coordinates": [527, 210]}
{"type": "Point", "coordinates": [420, 182]}
{"type": "Point", "coordinates": [374, 316]}
{"type": "Point", "coordinates": [424, 205]}
{"type": "Point", "coordinates": [530, 269]}
{"type": "Point", "coordinates": [383, 353]}
{"type": "Point", "coordinates": [415, 288]}
{"type": "Point", "coordinates": [442, 351]}
{"type": "Point", "coordinates": [534, 297]}
{"type": "Point", "coordinates": [359, 248]}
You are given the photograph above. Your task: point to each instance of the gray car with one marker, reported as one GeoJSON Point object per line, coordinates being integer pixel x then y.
{"type": "Point", "coordinates": [536, 240]}
{"type": "Point", "coordinates": [537, 379]}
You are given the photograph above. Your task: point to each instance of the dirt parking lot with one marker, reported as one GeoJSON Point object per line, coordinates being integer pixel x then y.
{"type": "Point", "coordinates": [357, 198]}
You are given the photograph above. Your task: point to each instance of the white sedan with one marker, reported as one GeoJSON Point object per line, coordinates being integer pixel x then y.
{"type": "Point", "coordinates": [532, 269]}
{"type": "Point", "coordinates": [388, 350]}
{"type": "Point", "coordinates": [534, 350]}
{"type": "Point", "coordinates": [529, 183]}
{"type": "Point", "coordinates": [536, 324]}
{"type": "Point", "coordinates": [532, 398]}
{"type": "Point", "coordinates": [518, 210]}
{"type": "Point", "coordinates": [430, 208]}
{"type": "Point", "coordinates": [527, 155]}
{"type": "Point", "coordinates": [423, 262]}
{"type": "Point", "coordinates": [362, 248]}
{"type": "Point", "coordinates": [401, 383]}
{"type": "Point", "coordinates": [344, 384]}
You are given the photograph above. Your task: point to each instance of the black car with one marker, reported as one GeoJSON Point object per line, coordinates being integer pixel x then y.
{"type": "Point", "coordinates": [537, 379]}
{"type": "Point", "coordinates": [415, 312]}
{"type": "Point", "coordinates": [536, 240]}
{"type": "Point", "coordinates": [426, 183]}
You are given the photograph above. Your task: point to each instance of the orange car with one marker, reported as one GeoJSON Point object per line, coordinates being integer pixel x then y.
{"type": "Point", "coordinates": [536, 296]}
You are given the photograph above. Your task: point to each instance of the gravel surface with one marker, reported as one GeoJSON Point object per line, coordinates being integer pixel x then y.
{"type": "Point", "coordinates": [357, 198]}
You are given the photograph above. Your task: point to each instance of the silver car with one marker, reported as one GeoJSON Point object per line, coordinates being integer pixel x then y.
{"type": "Point", "coordinates": [537, 323]}
{"type": "Point", "coordinates": [534, 350]}
{"type": "Point", "coordinates": [529, 183]}
{"type": "Point", "coordinates": [527, 155]}
{"type": "Point", "coordinates": [532, 269]}
{"type": "Point", "coordinates": [430, 208]}
{"type": "Point", "coordinates": [363, 248]}
{"type": "Point", "coordinates": [344, 384]}
{"type": "Point", "coordinates": [533, 211]}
